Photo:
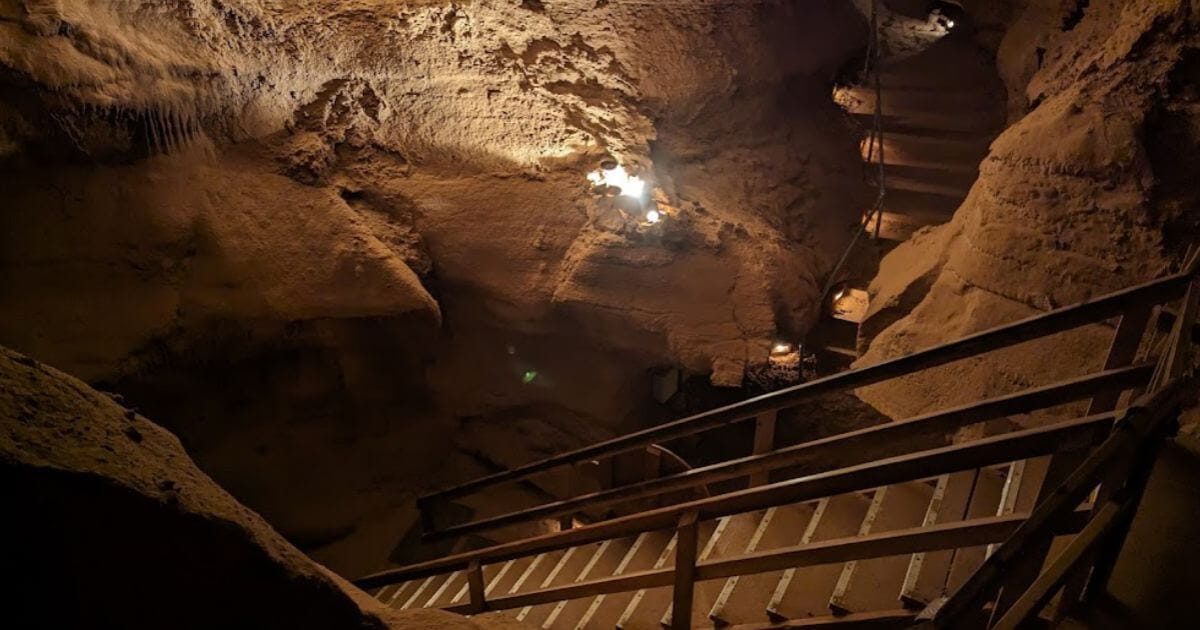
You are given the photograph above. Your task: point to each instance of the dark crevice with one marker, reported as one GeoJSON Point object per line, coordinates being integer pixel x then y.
{"type": "Point", "coordinates": [1075, 16]}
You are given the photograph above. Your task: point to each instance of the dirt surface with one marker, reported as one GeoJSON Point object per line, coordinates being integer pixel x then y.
{"type": "Point", "coordinates": [110, 524]}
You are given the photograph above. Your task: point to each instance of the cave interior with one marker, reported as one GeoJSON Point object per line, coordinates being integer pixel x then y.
{"type": "Point", "coordinates": [274, 275]}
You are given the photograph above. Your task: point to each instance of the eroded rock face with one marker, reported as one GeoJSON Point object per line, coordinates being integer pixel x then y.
{"type": "Point", "coordinates": [109, 524]}
{"type": "Point", "coordinates": [318, 239]}
{"type": "Point", "coordinates": [1082, 196]}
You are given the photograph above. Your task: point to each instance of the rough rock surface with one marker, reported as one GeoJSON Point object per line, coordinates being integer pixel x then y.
{"type": "Point", "coordinates": [1102, 206]}
{"type": "Point", "coordinates": [118, 528]}
{"type": "Point", "coordinates": [322, 240]}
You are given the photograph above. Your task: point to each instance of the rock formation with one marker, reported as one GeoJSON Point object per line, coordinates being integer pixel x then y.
{"type": "Point", "coordinates": [109, 524]}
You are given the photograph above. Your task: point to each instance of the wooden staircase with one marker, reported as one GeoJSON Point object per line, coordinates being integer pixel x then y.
{"type": "Point", "coordinates": [889, 526]}
{"type": "Point", "coordinates": [941, 111]}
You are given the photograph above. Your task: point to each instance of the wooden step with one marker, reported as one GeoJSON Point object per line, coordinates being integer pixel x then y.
{"type": "Point", "coordinates": [804, 592]}
{"type": "Point", "coordinates": [535, 573]}
{"type": "Point", "coordinates": [875, 584]}
{"type": "Point", "coordinates": [925, 580]}
{"type": "Point", "coordinates": [606, 611]}
{"type": "Point", "coordinates": [447, 592]}
{"type": "Point", "coordinates": [985, 499]}
{"type": "Point", "coordinates": [954, 127]}
{"type": "Point", "coordinates": [426, 586]}
{"type": "Point", "coordinates": [744, 599]}
{"type": "Point", "coordinates": [653, 609]}
{"type": "Point", "coordinates": [634, 607]}
{"type": "Point", "coordinates": [603, 561]}
{"type": "Point", "coordinates": [907, 147]}
{"type": "Point", "coordinates": [727, 527]}
{"type": "Point", "coordinates": [564, 571]}
{"type": "Point", "coordinates": [398, 594]}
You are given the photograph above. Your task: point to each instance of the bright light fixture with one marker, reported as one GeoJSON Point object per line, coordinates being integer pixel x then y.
{"type": "Point", "coordinates": [781, 347]}
{"type": "Point", "coordinates": [620, 178]}
{"type": "Point", "coordinates": [654, 216]}
{"type": "Point", "coordinates": [949, 23]}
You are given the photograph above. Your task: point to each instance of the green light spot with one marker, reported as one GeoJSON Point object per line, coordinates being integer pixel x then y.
{"type": "Point", "coordinates": [528, 376]}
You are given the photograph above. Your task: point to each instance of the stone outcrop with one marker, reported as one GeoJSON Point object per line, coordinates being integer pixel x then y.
{"type": "Point", "coordinates": [1083, 195]}
{"type": "Point", "coordinates": [109, 524]}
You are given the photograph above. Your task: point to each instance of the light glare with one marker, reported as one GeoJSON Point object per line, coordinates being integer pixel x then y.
{"type": "Point", "coordinates": [618, 177]}
{"type": "Point", "coordinates": [653, 216]}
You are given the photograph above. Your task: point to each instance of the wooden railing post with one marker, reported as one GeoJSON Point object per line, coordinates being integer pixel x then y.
{"type": "Point", "coordinates": [764, 442]}
{"type": "Point", "coordinates": [475, 587]}
{"type": "Point", "coordinates": [1121, 352]}
{"type": "Point", "coordinates": [687, 538]}
{"type": "Point", "coordinates": [571, 484]}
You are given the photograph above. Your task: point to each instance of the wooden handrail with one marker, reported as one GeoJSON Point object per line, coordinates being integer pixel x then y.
{"type": "Point", "coordinates": [845, 449]}
{"type": "Point", "coordinates": [1028, 329]}
{"type": "Point", "coordinates": [967, 533]}
{"type": "Point", "coordinates": [984, 452]}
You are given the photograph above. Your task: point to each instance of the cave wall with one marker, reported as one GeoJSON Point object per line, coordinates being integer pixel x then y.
{"type": "Point", "coordinates": [347, 250]}
{"type": "Point", "coordinates": [1082, 195]}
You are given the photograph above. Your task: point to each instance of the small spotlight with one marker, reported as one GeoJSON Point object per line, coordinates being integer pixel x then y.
{"type": "Point", "coordinates": [949, 24]}
{"type": "Point", "coordinates": [654, 216]}
{"type": "Point", "coordinates": [781, 347]}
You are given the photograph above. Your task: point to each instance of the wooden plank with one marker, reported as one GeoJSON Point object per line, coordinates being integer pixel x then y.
{"type": "Point", "coordinates": [684, 577]}
{"type": "Point", "coordinates": [912, 540]}
{"type": "Point", "coordinates": [1044, 587]}
{"type": "Point", "coordinates": [417, 594]}
{"type": "Point", "coordinates": [1034, 327]}
{"type": "Point", "coordinates": [637, 598]}
{"type": "Point", "coordinates": [1013, 481]}
{"type": "Point", "coordinates": [785, 580]}
{"type": "Point", "coordinates": [844, 449]}
{"type": "Point", "coordinates": [549, 579]}
{"type": "Point", "coordinates": [580, 579]}
{"type": "Point", "coordinates": [925, 579]}
{"type": "Point", "coordinates": [954, 458]}
{"type": "Point", "coordinates": [624, 564]}
{"type": "Point", "coordinates": [847, 574]}
{"type": "Point", "coordinates": [441, 590]}
{"type": "Point", "coordinates": [764, 442]}
{"type": "Point", "coordinates": [718, 607]}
